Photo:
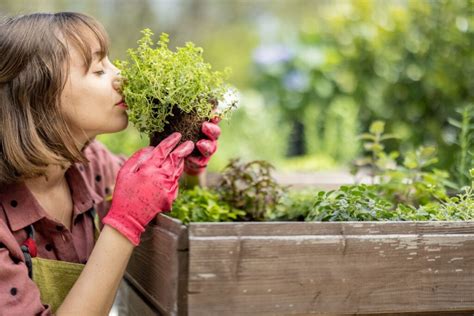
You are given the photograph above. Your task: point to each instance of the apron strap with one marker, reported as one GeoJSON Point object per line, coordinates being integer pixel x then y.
{"type": "Point", "coordinates": [28, 262]}
{"type": "Point", "coordinates": [25, 248]}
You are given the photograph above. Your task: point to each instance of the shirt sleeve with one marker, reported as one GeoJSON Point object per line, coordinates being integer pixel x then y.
{"type": "Point", "coordinates": [102, 173]}
{"type": "Point", "coordinates": [19, 295]}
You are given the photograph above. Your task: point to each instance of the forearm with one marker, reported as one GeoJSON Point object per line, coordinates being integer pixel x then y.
{"type": "Point", "coordinates": [95, 290]}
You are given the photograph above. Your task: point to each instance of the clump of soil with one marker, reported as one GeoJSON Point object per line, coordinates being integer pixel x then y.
{"type": "Point", "coordinates": [188, 124]}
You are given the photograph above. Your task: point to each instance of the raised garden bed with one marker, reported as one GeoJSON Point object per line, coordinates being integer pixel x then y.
{"type": "Point", "coordinates": [327, 268]}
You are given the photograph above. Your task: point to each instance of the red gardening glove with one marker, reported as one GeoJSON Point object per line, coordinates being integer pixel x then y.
{"type": "Point", "coordinates": [146, 185]}
{"type": "Point", "coordinates": [194, 165]}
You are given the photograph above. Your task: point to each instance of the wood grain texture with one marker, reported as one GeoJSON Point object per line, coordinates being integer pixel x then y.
{"type": "Point", "coordinates": [330, 268]}
{"type": "Point", "coordinates": [328, 228]}
{"type": "Point", "coordinates": [129, 302]}
{"type": "Point", "coordinates": [154, 268]}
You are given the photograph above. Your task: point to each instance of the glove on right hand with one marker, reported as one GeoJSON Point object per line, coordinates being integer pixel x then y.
{"type": "Point", "coordinates": [194, 165]}
{"type": "Point", "coordinates": [146, 185]}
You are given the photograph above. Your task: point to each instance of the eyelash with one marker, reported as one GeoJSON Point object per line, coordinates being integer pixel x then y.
{"type": "Point", "coordinates": [100, 72]}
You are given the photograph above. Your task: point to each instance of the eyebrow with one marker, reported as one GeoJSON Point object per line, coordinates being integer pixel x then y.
{"type": "Point", "coordinates": [96, 55]}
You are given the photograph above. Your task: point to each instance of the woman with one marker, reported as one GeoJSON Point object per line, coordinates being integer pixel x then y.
{"type": "Point", "coordinates": [58, 91]}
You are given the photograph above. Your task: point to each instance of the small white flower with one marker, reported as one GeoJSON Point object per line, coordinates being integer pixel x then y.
{"type": "Point", "coordinates": [229, 102]}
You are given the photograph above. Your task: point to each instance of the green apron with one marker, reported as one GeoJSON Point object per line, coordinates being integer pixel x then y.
{"type": "Point", "coordinates": [55, 278]}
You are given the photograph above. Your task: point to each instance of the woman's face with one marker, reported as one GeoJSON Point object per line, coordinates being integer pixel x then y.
{"type": "Point", "coordinates": [89, 99]}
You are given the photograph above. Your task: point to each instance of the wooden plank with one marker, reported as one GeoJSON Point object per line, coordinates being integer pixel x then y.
{"type": "Point", "coordinates": [174, 226]}
{"type": "Point", "coordinates": [154, 268]}
{"type": "Point", "coordinates": [128, 302]}
{"type": "Point", "coordinates": [328, 228]}
{"type": "Point", "coordinates": [358, 268]}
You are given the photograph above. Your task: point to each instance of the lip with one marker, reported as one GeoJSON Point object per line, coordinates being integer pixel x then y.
{"type": "Point", "coordinates": [122, 104]}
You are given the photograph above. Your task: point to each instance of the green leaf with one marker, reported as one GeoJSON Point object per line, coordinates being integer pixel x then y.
{"type": "Point", "coordinates": [377, 127]}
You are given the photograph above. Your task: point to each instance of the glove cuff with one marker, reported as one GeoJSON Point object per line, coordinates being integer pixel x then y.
{"type": "Point", "coordinates": [128, 227]}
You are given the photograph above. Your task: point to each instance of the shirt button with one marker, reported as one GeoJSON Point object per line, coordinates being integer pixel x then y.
{"type": "Point", "coordinates": [48, 247]}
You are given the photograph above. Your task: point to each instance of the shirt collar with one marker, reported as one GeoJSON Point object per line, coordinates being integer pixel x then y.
{"type": "Point", "coordinates": [22, 209]}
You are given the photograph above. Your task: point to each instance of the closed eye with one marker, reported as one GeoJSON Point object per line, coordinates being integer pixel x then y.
{"type": "Point", "coordinates": [100, 72]}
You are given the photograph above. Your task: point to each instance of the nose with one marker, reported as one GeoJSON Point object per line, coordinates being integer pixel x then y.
{"type": "Point", "coordinates": [118, 81]}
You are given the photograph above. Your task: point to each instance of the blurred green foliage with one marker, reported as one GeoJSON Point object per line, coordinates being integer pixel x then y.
{"type": "Point", "coordinates": [409, 63]}
{"type": "Point", "coordinates": [464, 162]}
{"type": "Point", "coordinates": [125, 142]}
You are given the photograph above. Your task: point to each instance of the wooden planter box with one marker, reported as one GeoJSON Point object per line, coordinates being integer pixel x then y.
{"type": "Point", "coordinates": [279, 268]}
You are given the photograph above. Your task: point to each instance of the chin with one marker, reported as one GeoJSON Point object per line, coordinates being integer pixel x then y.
{"type": "Point", "coordinates": [119, 127]}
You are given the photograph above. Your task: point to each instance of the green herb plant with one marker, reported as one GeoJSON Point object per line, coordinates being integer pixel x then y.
{"type": "Point", "coordinates": [203, 205]}
{"type": "Point", "coordinates": [416, 182]}
{"type": "Point", "coordinates": [350, 203]}
{"type": "Point", "coordinates": [169, 90]}
{"type": "Point", "coordinates": [292, 206]}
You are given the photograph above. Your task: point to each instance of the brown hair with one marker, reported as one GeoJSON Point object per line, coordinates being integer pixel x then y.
{"type": "Point", "coordinates": [34, 66]}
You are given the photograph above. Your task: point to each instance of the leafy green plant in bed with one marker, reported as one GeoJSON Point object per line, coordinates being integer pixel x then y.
{"type": "Point", "coordinates": [350, 203]}
{"type": "Point", "coordinates": [169, 91]}
{"type": "Point", "coordinates": [365, 203]}
{"type": "Point", "coordinates": [203, 205]}
{"type": "Point", "coordinates": [410, 191]}
{"type": "Point", "coordinates": [292, 206]}
{"type": "Point", "coordinates": [413, 190]}
{"type": "Point", "coordinates": [414, 181]}
{"type": "Point", "coordinates": [458, 207]}
{"type": "Point", "coordinates": [250, 187]}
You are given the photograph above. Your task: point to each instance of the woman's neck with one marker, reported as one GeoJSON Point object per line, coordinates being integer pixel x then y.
{"type": "Point", "coordinates": [53, 194]}
{"type": "Point", "coordinates": [55, 178]}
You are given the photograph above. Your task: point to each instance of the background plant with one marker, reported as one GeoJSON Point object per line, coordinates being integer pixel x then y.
{"type": "Point", "coordinates": [413, 180]}
{"type": "Point", "coordinates": [250, 187]}
{"type": "Point", "coordinates": [378, 161]}
{"type": "Point", "coordinates": [465, 143]}
{"type": "Point", "coordinates": [203, 205]}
